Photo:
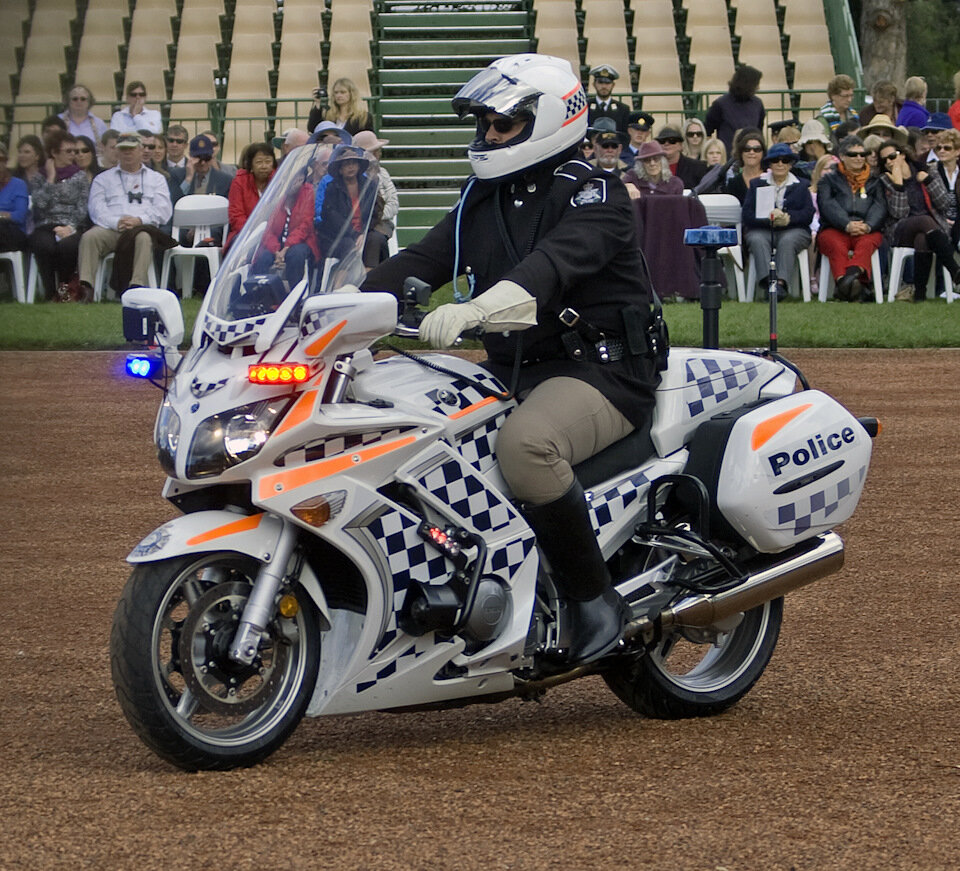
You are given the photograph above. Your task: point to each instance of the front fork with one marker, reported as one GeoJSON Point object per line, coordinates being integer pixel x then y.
{"type": "Point", "coordinates": [259, 608]}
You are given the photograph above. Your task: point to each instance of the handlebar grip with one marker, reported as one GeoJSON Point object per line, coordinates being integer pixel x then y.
{"type": "Point", "coordinates": [474, 333]}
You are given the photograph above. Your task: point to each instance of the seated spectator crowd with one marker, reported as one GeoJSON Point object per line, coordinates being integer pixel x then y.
{"type": "Point", "coordinates": [843, 184]}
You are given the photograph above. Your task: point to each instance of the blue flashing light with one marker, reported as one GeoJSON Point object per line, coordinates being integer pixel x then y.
{"type": "Point", "coordinates": [711, 237]}
{"type": "Point", "coordinates": [144, 365]}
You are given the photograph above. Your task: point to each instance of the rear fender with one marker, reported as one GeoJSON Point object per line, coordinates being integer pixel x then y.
{"type": "Point", "coordinates": [255, 535]}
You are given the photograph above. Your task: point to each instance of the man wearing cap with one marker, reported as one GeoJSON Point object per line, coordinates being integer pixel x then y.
{"type": "Point", "coordinates": [609, 145]}
{"type": "Point", "coordinates": [639, 129]}
{"type": "Point", "coordinates": [604, 105]}
{"type": "Point", "coordinates": [688, 169]}
{"type": "Point", "coordinates": [199, 176]}
{"type": "Point", "coordinates": [122, 201]}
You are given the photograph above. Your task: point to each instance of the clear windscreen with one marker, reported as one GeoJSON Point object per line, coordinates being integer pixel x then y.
{"type": "Point", "coordinates": [305, 236]}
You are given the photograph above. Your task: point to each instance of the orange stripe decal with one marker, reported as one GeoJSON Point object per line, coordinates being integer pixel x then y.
{"type": "Point", "coordinates": [245, 524]}
{"type": "Point", "coordinates": [282, 482]}
{"type": "Point", "coordinates": [301, 411]}
{"type": "Point", "coordinates": [315, 348]}
{"type": "Point", "coordinates": [463, 412]}
{"type": "Point", "coordinates": [767, 429]}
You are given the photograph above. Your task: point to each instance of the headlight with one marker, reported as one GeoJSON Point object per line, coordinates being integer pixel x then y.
{"type": "Point", "coordinates": [167, 437]}
{"type": "Point", "coordinates": [233, 436]}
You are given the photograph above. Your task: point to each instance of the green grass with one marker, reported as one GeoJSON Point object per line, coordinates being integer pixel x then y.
{"type": "Point", "coordinates": [933, 324]}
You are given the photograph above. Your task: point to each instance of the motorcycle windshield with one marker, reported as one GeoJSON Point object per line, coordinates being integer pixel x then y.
{"type": "Point", "coordinates": [305, 236]}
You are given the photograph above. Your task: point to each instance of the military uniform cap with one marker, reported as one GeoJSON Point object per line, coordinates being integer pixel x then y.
{"type": "Point", "coordinates": [640, 120]}
{"type": "Point", "coordinates": [777, 126]}
{"type": "Point", "coordinates": [605, 71]}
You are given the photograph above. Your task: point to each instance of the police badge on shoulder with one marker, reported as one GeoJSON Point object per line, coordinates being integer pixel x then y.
{"type": "Point", "coordinates": [594, 191]}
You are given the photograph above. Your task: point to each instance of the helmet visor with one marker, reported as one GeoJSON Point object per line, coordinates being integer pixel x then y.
{"type": "Point", "coordinates": [492, 91]}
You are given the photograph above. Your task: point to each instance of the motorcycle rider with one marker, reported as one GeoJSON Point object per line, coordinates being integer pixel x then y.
{"type": "Point", "coordinates": [548, 246]}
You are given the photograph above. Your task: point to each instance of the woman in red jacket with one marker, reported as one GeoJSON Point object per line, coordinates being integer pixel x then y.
{"type": "Point", "coordinates": [257, 168]}
{"type": "Point", "coordinates": [289, 243]}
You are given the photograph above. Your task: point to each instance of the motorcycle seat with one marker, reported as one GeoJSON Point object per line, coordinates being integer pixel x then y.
{"type": "Point", "coordinates": [628, 453]}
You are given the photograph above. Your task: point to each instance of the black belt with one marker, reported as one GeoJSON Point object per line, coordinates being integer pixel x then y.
{"type": "Point", "coordinates": [574, 347]}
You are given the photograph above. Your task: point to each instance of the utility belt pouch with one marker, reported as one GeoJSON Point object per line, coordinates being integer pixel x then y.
{"type": "Point", "coordinates": [574, 345]}
{"type": "Point", "coordinates": [634, 331]}
{"type": "Point", "coordinates": [658, 338]}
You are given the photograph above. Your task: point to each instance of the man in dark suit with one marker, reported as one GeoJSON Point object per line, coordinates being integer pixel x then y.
{"type": "Point", "coordinates": [603, 105]}
{"type": "Point", "coordinates": [687, 169]}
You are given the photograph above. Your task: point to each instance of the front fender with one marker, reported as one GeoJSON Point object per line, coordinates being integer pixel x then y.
{"type": "Point", "coordinates": [254, 535]}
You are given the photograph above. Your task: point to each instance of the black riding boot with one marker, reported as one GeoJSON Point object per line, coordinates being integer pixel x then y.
{"type": "Point", "coordinates": [922, 261]}
{"type": "Point", "coordinates": [939, 243]}
{"type": "Point", "coordinates": [592, 614]}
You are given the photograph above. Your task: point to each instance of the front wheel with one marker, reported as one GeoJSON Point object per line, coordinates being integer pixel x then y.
{"type": "Point", "coordinates": [680, 678]}
{"type": "Point", "coordinates": [181, 692]}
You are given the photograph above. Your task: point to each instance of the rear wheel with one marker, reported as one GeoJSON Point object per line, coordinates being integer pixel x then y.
{"type": "Point", "coordinates": [176, 684]}
{"type": "Point", "coordinates": [682, 678]}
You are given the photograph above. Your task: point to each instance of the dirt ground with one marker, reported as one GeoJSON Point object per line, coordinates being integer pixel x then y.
{"type": "Point", "coordinates": [845, 755]}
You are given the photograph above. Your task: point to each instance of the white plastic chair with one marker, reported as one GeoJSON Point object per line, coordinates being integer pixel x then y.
{"type": "Point", "coordinates": [803, 271]}
{"type": "Point", "coordinates": [15, 259]}
{"type": "Point", "coordinates": [897, 258]}
{"type": "Point", "coordinates": [103, 276]}
{"type": "Point", "coordinates": [827, 282]}
{"type": "Point", "coordinates": [201, 213]}
{"type": "Point", "coordinates": [724, 210]}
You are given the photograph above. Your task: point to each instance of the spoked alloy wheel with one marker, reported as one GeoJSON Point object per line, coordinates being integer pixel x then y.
{"type": "Point", "coordinates": [680, 678]}
{"type": "Point", "coordinates": [176, 683]}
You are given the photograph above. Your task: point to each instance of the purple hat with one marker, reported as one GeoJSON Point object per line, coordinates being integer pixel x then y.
{"type": "Point", "coordinates": [650, 149]}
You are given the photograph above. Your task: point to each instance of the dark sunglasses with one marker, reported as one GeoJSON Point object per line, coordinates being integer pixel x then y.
{"type": "Point", "coordinates": [203, 158]}
{"type": "Point", "coordinates": [84, 151]}
{"type": "Point", "coordinates": [891, 156]}
{"type": "Point", "coordinates": [856, 154]}
{"type": "Point", "coordinates": [692, 133]}
{"type": "Point", "coordinates": [174, 141]}
{"type": "Point", "coordinates": [609, 144]}
{"type": "Point", "coordinates": [780, 160]}
{"type": "Point", "coordinates": [673, 140]}
{"type": "Point", "coordinates": [150, 147]}
{"type": "Point", "coordinates": [756, 148]}
{"type": "Point", "coordinates": [138, 94]}
{"type": "Point", "coordinates": [503, 125]}
{"type": "Point", "coordinates": [943, 147]}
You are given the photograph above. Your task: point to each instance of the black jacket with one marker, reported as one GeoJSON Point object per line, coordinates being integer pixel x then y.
{"type": "Point", "coordinates": [572, 243]}
{"type": "Point", "coordinates": [690, 171]}
{"type": "Point", "coordinates": [618, 111]}
{"type": "Point", "coordinates": [839, 206]}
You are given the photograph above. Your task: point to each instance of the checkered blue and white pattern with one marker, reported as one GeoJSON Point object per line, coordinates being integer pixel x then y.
{"type": "Point", "coordinates": [351, 441]}
{"type": "Point", "coordinates": [409, 558]}
{"type": "Point", "coordinates": [468, 497]}
{"type": "Point", "coordinates": [507, 559]}
{"type": "Point", "coordinates": [204, 388]}
{"type": "Point", "coordinates": [717, 380]}
{"type": "Point", "coordinates": [226, 332]}
{"type": "Point", "coordinates": [314, 322]}
{"type": "Point", "coordinates": [464, 392]}
{"type": "Point", "coordinates": [576, 103]}
{"type": "Point", "coordinates": [477, 446]}
{"type": "Point", "coordinates": [396, 663]}
{"type": "Point", "coordinates": [818, 507]}
{"type": "Point", "coordinates": [609, 506]}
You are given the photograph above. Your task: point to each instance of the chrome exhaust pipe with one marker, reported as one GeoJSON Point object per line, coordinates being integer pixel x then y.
{"type": "Point", "coordinates": [702, 611]}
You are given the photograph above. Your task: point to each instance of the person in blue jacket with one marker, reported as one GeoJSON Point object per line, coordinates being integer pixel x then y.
{"type": "Point", "coordinates": [786, 214]}
{"type": "Point", "coordinates": [14, 207]}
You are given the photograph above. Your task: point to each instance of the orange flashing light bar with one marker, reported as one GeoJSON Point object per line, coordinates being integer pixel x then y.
{"type": "Point", "coordinates": [278, 373]}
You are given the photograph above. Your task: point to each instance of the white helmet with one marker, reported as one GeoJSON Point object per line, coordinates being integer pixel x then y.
{"type": "Point", "coordinates": [535, 86]}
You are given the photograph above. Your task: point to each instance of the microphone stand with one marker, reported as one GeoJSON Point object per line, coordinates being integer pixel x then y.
{"type": "Point", "coordinates": [772, 294]}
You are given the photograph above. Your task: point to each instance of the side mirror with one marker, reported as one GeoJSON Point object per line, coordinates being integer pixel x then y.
{"type": "Point", "coordinates": [152, 315]}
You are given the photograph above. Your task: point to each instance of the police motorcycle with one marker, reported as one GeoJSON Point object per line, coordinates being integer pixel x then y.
{"type": "Point", "coordinates": [348, 544]}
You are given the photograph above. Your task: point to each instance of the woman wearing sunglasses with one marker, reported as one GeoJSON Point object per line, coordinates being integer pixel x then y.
{"type": "Point", "coordinates": [919, 205]}
{"type": "Point", "coordinates": [852, 211]}
{"type": "Point", "coordinates": [694, 137]}
{"type": "Point", "coordinates": [136, 116]}
{"type": "Point", "coordinates": [948, 150]}
{"type": "Point", "coordinates": [748, 152]}
{"type": "Point", "coordinates": [785, 226]}
{"type": "Point", "coordinates": [81, 121]}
